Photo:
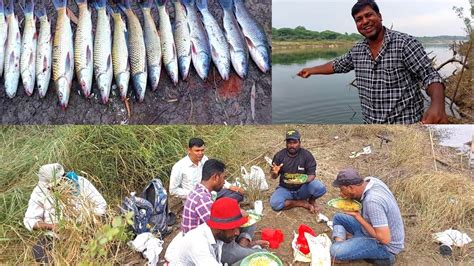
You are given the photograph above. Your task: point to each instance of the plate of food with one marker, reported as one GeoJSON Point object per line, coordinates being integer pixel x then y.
{"type": "Point", "coordinates": [261, 259]}
{"type": "Point", "coordinates": [253, 219]}
{"type": "Point", "coordinates": [345, 204]}
{"type": "Point", "coordinates": [296, 178]}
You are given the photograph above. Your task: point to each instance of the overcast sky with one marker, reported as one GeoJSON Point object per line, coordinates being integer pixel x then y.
{"type": "Point", "coordinates": [415, 17]}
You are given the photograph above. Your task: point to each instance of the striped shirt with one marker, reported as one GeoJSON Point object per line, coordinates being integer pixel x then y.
{"type": "Point", "coordinates": [197, 208]}
{"type": "Point", "coordinates": [388, 86]}
{"type": "Point", "coordinates": [379, 208]}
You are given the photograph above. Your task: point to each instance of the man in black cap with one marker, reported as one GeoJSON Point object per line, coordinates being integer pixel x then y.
{"type": "Point", "coordinates": [296, 168]}
{"type": "Point", "coordinates": [376, 233]}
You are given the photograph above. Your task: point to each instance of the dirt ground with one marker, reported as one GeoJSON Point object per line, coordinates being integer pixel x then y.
{"type": "Point", "coordinates": [332, 152]}
{"type": "Point", "coordinates": [191, 102]}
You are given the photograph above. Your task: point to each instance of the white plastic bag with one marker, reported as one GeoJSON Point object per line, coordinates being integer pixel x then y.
{"type": "Point", "coordinates": [320, 247]}
{"type": "Point", "coordinates": [149, 245]}
{"type": "Point", "coordinates": [452, 237]}
{"type": "Point", "coordinates": [255, 179]}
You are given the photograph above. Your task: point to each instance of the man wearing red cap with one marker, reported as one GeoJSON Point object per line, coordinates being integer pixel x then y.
{"type": "Point", "coordinates": [203, 245]}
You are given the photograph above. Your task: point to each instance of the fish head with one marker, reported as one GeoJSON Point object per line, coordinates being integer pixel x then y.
{"type": "Point", "coordinates": [28, 84]}
{"type": "Point", "coordinates": [85, 82]}
{"type": "Point", "coordinates": [262, 58]}
{"type": "Point", "coordinates": [154, 76]}
{"type": "Point", "coordinates": [63, 90]}
{"type": "Point", "coordinates": [103, 83]}
{"type": "Point", "coordinates": [122, 84]}
{"type": "Point", "coordinates": [173, 72]}
{"type": "Point", "coordinates": [40, 83]}
{"type": "Point", "coordinates": [240, 62]}
{"type": "Point", "coordinates": [183, 64]}
{"type": "Point", "coordinates": [139, 83]}
{"type": "Point", "coordinates": [11, 85]}
{"type": "Point", "coordinates": [203, 64]}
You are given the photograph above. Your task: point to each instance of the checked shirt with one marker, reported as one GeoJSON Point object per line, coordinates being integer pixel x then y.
{"type": "Point", "coordinates": [197, 208]}
{"type": "Point", "coordinates": [388, 86]}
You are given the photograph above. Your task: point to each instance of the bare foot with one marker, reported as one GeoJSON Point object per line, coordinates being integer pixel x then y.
{"type": "Point", "coordinates": [262, 243]}
{"type": "Point", "coordinates": [310, 207]}
{"type": "Point", "coordinates": [313, 202]}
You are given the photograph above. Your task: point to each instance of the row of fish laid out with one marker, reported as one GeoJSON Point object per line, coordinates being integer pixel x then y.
{"type": "Point", "coordinates": [127, 51]}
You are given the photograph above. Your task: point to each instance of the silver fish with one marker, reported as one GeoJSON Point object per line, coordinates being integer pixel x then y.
{"type": "Point", "coordinates": [182, 39]}
{"type": "Point", "coordinates": [12, 53]}
{"type": "Point", "coordinates": [103, 70]}
{"type": "Point", "coordinates": [219, 46]}
{"type": "Point", "coordinates": [3, 36]}
{"type": "Point", "coordinates": [43, 53]}
{"type": "Point", "coordinates": [200, 48]}
{"type": "Point", "coordinates": [83, 48]}
{"type": "Point", "coordinates": [28, 49]}
{"type": "Point", "coordinates": [120, 62]}
{"type": "Point", "coordinates": [239, 54]}
{"type": "Point", "coordinates": [63, 54]}
{"type": "Point", "coordinates": [254, 35]}
{"type": "Point", "coordinates": [137, 52]}
{"type": "Point", "coordinates": [170, 59]}
{"type": "Point", "coordinates": [153, 46]}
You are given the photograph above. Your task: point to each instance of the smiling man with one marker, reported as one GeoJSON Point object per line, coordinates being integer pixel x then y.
{"type": "Point", "coordinates": [389, 68]}
{"type": "Point", "coordinates": [376, 233]}
{"type": "Point", "coordinates": [296, 168]}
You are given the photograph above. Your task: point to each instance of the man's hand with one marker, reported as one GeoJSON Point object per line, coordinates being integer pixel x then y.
{"type": "Point", "coordinates": [435, 115]}
{"type": "Point", "coordinates": [353, 214]}
{"type": "Point", "coordinates": [276, 169]}
{"type": "Point", "coordinates": [237, 189]}
{"type": "Point", "coordinates": [304, 73]}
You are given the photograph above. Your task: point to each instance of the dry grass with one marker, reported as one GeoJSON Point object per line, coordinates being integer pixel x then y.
{"type": "Point", "coordinates": [117, 160]}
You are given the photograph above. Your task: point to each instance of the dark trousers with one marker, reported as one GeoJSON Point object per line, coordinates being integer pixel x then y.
{"type": "Point", "coordinates": [42, 248]}
{"type": "Point", "coordinates": [226, 193]}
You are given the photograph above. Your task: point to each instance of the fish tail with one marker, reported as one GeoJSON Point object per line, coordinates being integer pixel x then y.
{"type": "Point", "coordinates": [226, 4]}
{"type": "Point", "coordinates": [98, 4]}
{"type": "Point", "coordinates": [2, 7]}
{"type": "Point", "coordinates": [161, 2]}
{"type": "Point", "coordinates": [59, 4]}
{"type": "Point", "coordinates": [80, 2]}
{"type": "Point", "coordinates": [126, 4]}
{"type": "Point", "coordinates": [9, 9]}
{"type": "Point", "coordinates": [201, 4]}
{"type": "Point", "coordinates": [29, 7]}
{"type": "Point", "coordinates": [40, 10]}
{"type": "Point", "coordinates": [147, 4]}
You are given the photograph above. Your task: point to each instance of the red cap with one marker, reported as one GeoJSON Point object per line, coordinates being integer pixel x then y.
{"type": "Point", "coordinates": [225, 214]}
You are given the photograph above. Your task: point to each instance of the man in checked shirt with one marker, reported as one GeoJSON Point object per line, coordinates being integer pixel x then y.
{"type": "Point", "coordinates": [388, 66]}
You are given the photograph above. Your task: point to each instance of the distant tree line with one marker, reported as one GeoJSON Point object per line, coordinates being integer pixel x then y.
{"type": "Point", "coordinates": [301, 33]}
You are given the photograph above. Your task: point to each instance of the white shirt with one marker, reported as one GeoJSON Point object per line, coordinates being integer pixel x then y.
{"type": "Point", "coordinates": [185, 175]}
{"type": "Point", "coordinates": [198, 247]}
{"type": "Point", "coordinates": [41, 206]}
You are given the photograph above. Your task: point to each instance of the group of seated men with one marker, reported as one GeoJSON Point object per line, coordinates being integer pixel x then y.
{"type": "Point", "coordinates": [211, 225]}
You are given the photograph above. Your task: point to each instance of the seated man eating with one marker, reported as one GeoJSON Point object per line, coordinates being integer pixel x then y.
{"type": "Point", "coordinates": [377, 233]}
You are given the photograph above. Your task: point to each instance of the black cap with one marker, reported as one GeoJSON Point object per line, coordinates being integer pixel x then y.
{"type": "Point", "coordinates": [293, 134]}
{"type": "Point", "coordinates": [347, 177]}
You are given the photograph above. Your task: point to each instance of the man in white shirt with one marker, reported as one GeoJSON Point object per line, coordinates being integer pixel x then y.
{"type": "Point", "coordinates": [187, 173]}
{"type": "Point", "coordinates": [203, 245]}
{"type": "Point", "coordinates": [42, 206]}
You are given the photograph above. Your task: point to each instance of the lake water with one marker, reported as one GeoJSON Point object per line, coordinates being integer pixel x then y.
{"type": "Point", "coordinates": [455, 136]}
{"type": "Point", "coordinates": [322, 99]}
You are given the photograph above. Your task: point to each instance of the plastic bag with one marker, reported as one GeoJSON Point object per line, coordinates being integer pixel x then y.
{"type": "Point", "coordinates": [320, 247]}
{"type": "Point", "coordinates": [255, 179]}
{"type": "Point", "coordinates": [274, 236]}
